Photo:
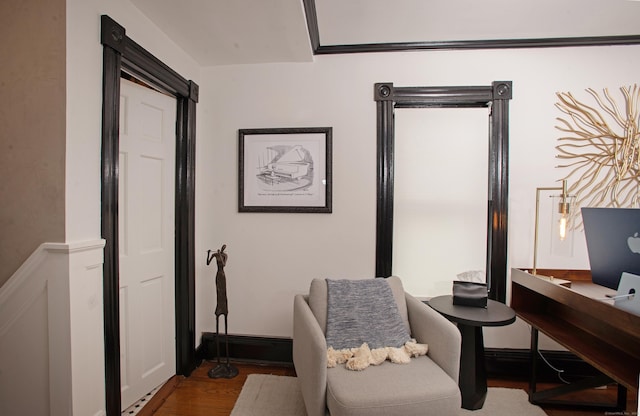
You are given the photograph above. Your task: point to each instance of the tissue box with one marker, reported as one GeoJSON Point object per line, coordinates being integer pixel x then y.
{"type": "Point", "coordinates": [470, 294]}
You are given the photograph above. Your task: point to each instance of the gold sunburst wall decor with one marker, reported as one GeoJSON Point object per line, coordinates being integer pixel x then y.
{"type": "Point", "coordinates": [600, 146]}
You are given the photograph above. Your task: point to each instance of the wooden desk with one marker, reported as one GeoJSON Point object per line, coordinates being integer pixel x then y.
{"type": "Point", "coordinates": [602, 335]}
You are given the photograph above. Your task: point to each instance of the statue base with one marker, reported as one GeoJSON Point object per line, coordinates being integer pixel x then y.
{"type": "Point", "coordinates": [223, 371]}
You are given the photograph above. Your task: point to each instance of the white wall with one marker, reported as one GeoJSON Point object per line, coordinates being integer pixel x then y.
{"type": "Point", "coordinates": [274, 256]}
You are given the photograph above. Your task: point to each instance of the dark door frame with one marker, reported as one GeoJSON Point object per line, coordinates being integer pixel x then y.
{"type": "Point", "coordinates": [121, 53]}
{"type": "Point", "coordinates": [495, 97]}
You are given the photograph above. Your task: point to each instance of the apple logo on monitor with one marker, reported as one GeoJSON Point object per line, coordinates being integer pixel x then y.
{"type": "Point", "coordinates": [634, 243]}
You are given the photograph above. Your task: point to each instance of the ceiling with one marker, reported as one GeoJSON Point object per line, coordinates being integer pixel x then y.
{"type": "Point", "coordinates": [229, 32]}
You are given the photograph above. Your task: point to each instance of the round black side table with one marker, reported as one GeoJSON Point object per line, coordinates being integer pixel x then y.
{"type": "Point", "coordinates": [470, 320]}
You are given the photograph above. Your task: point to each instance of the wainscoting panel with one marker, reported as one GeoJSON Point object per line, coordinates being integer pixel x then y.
{"type": "Point", "coordinates": [24, 345]}
{"type": "Point", "coordinates": [36, 330]}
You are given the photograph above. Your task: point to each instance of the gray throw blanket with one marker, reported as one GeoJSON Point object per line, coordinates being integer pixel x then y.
{"type": "Point", "coordinates": [360, 311]}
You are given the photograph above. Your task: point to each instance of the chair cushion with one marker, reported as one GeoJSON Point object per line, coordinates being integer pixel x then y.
{"type": "Point", "coordinates": [363, 311]}
{"type": "Point", "coordinates": [417, 388]}
{"type": "Point", "coordinates": [318, 300]}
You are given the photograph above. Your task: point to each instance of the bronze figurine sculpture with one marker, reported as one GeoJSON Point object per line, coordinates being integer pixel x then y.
{"type": "Point", "coordinates": [222, 308]}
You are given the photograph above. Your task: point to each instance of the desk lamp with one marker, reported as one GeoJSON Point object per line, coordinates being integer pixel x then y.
{"type": "Point", "coordinates": [564, 210]}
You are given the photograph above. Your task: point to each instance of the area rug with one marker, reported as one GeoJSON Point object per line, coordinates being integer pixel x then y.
{"type": "Point", "coordinates": [269, 395]}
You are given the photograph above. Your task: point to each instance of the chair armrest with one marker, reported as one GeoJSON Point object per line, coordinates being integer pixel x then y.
{"type": "Point", "coordinates": [442, 336]}
{"type": "Point", "coordinates": [309, 357]}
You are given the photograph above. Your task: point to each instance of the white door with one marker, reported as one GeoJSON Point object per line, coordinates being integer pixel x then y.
{"type": "Point", "coordinates": [146, 227]}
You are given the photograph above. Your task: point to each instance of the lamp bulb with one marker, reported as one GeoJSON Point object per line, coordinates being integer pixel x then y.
{"type": "Point", "coordinates": [563, 227]}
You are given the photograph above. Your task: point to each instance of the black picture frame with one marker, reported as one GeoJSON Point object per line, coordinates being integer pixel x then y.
{"type": "Point", "coordinates": [285, 170]}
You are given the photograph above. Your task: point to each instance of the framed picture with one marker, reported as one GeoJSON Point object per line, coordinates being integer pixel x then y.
{"type": "Point", "coordinates": [285, 170]}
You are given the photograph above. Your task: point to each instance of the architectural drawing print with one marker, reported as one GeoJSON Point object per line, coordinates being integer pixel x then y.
{"type": "Point", "coordinates": [285, 168]}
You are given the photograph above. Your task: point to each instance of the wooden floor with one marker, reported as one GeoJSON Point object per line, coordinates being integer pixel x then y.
{"type": "Point", "coordinates": [199, 395]}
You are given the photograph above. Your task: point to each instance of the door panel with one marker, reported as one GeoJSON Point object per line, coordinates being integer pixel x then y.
{"type": "Point", "coordinates": [146, 225]}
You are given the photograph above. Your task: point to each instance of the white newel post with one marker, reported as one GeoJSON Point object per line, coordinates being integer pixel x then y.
{"type": "Point", "coordinates": [76, 338]}
{"type": "Point", "coordinates": [58, 328]}
{"type": "Point", "coordinates": [87, 327]}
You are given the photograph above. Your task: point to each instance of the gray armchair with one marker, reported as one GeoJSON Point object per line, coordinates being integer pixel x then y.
{"type": "Point", "coordinates": [428, 385]}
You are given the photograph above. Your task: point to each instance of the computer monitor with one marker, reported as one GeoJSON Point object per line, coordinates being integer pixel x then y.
{"type": "Point", "coordinates": [613, 243]}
